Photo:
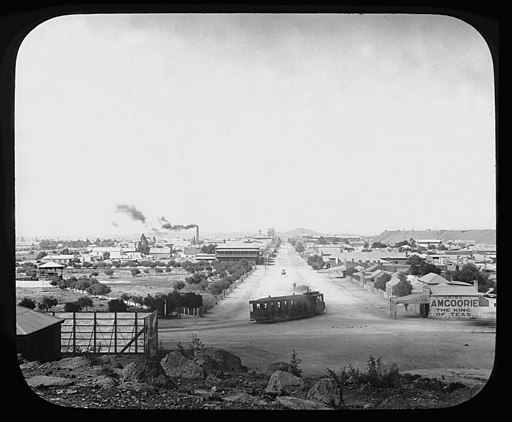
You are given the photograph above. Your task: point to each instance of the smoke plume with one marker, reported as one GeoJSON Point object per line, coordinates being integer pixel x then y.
{"type": "Point", "coordinates": [131, 211]}
{"type": "Point", "coordinates": [168, 226]}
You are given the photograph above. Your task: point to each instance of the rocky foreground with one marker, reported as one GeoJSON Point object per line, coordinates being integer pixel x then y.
{"type": "Point", "coordinates": [206, 378]}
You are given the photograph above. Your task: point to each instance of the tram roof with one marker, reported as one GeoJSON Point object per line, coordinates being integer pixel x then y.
{"type": "Point", "coordinates": [292, 296]}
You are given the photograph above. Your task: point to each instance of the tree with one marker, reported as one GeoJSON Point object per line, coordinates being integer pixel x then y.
{"type": "Point", "coordinates": [322, 241]}
{"type": "Point", "coordinates": [470, 272]}
{"type": "Point", "coordinates": [209, 249]}
{"type": "Point", "coordinates": [47, 303]}
{"type": "Point", "coordinates": [380, 282]}
{"type": "Point", "coordinates": [299, 247]}
{"type": "Point", "coordinates": [143, 246]}
{"type": "Point", "coordinates": [27, 303]}
{"type": "Point", "coordinates": [403, 287]}
{"type": "Point", "coordinates": [72, 307]}
{"type": "Point", "coordinates": [41, 255]}
{"type": "Point", "coordinates": [117, 305]}
{"type": "Point", "coordinates": [196, 278]}
{"type": "Point", "coordinates": [98, 289]}
{"type": "Point", "coordinates": [85, 302]}
{"type": "Point", "coordinates": [109, 272]}
{"type": "Point", "coordinates": [316, 262]}
{"type": "Point", "coordinates": [135, 271]}
{"type": "Point", "coordinates": [379, 245]}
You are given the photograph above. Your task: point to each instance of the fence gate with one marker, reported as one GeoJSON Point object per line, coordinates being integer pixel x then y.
{"type": "Point", "coordinates": [109, 332]}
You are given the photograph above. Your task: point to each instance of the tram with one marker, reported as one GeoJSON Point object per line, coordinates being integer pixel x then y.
{"type": "Point", "coordinates": [283, 308]}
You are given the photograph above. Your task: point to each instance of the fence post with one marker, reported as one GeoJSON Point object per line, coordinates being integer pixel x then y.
{"type": "Point", "coordinates": [94, 331]}
{"type": "Point", "coordinates": [136, 331]}
{"type": "Point", "coordinates": [74, 332]}
{"type": "Point", "coordinates": [115, 332]}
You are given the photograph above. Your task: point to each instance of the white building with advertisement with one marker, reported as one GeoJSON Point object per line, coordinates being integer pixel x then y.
{"type": "Point", "coordinates": [453, 301]}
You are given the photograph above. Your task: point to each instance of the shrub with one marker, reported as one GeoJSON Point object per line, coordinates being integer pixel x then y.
{"type": "Point", "coordinates": [294, 364]}
{"type": "Point", "coordinates": [47, 303]}
{"type": "Point", "coordinates": [117, 305]}
{"type": "Point", "coordinates": [72, 307]}
{"type": "Point", "coordinates": [85, 301]}
{"type": "Point", "coordinates": [134, 271]}
{"type": "Point", "coordinates": [27, 303]}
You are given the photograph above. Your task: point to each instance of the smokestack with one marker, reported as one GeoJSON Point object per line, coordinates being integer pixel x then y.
{"type": "Point", "coordinates": [197, 235]}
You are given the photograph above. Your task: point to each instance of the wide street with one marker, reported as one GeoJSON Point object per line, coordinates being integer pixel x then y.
{"type": "Point", "coordinates": [356, 324]}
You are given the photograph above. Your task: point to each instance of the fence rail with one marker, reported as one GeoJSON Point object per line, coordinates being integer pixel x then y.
{"type": "Point", "coordinates": [109, 332]}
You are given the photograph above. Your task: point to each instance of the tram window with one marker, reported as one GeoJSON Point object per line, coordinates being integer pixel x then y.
{"type": "Point", "coordinates": [285, 303]}
{"type": "Point", "coordinates": [278, 304]}
{"type": "Point", "coordinates": [251, 308]}
{"type": "Point", "coordinates": [265, 305]}
{"type": "Point", "coordinates": [258, 306]}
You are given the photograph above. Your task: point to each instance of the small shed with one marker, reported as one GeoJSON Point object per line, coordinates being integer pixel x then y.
{"type": "Point", "coordinates": [50, 269]}
{"type": "Point", "coordinates": [38, 335]}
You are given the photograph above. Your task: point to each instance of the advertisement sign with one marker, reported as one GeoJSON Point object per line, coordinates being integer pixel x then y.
{"type": "Point", "coordinates": [453, 306]}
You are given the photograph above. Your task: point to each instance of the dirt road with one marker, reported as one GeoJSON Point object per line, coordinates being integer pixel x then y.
{"type": "Point", "coordinates": [356, 324]}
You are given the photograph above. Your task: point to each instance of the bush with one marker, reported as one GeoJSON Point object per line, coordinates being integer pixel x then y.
{"type": "Point", "coordinates": [380, 282]}
{"type": "Point", "coordinates": [72, 307]}
{"type": "Point", "coordinates": [47, 303]}
{"type": "Point", "coordinates": [117, 305]}
{"type": "Point", "coordinates": [134, 271]}
{"type": "Point", "coordinates": [84, 302]}
{"type": "Point", "coordinates": [27, 303]}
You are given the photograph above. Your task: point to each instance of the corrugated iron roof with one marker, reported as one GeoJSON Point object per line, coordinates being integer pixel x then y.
{"type": "Point", "coordinates": [29, 321]}
{"type": "Point", "coordinates": [452, 290]}
{"type": "Point", "coordinates": [51, 265]}
{"type": "Point", "coordinates": [433, 278]}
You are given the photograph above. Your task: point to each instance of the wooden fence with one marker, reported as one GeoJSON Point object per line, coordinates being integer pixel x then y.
{"type": "Point", "coordinates": [109, 332]}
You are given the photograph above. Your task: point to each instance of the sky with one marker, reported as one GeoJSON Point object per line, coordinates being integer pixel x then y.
{"type": "Point", "coordinates": [339, 123]}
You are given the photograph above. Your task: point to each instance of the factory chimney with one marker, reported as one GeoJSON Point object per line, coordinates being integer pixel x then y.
{"type": "Point", "coordinates": [197, 236]}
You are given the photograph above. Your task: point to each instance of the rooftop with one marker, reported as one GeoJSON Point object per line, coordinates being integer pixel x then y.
{"type": "Point", "coordinates": [29, 321]}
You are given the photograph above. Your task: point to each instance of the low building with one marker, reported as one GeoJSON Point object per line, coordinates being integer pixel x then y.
{"type": "Point", "coordinates": [38, 335]}
{"type": "Point", "coordinates": [205, 257]}
{"type": "Point", "coordinates": [50, 269]}
{"type": "Point", "coordinates": [160, 252]}
{"type": "Point", "coordinates": [253, 254]}
{"type": "Point", "coordinates": [450, 301]}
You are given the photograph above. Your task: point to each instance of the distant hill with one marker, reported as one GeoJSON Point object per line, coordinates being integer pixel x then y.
{"type": "Point", "coordinates": [479, 236]}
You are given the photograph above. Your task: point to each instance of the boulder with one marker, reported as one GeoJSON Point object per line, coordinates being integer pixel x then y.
{"type": "Point", "coordinates": [108, 360]}
{"type": "Point", "coordinates": [150, 372]}
{"type": "Point", "coordinates": [394, 402]}
{"type": "Point", "coordinates": [225, 361]}
{"type": "Point", "coordinates": [296, 403]}
{"type": "Point", "coordinates": [284, 383]}
{"type": "Point", "coordinates": [48, 381]}
{"type": "Point", "coordinates": [278, 366]}
{"type": "Point", "coordinates": [175, 365]}
{"type": "Point", "coordinates": [326, 391]}
{"type": "Point", "coordinates": [104, 382]}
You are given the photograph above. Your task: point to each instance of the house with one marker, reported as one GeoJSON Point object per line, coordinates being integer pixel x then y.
{"type": "Point", "coordinates": [391, 284]}
{"type": "Point", "coordinates": [50, 269]}
{"type": "Point", "coordinates": [235, 252]}
{"type": "Point", "coordinates": [451, 301]}
{"type": "Point", "coordinates": [190, 252]}
{"type": "Point", "coordinates": [38, 335]}
{"type": "Point", "coordinates": [59, 259]}
{"type": "Point", "coordinates": [433, 279]}
{"type": "Point", "coordinates": [160, 252]}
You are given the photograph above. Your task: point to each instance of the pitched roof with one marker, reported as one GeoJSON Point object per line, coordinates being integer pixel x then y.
{"type": "Point", "coordinates": [51, 265]}
{"type": "Point", "coordinates": [433, 278]}
{"type": "Point", "coordinates": [29, 321]}
{"type": "Point", "coordinates": [452, 290]}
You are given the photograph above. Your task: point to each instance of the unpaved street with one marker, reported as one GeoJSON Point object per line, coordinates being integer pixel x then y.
{"type": "Point", "coordinates": [356, 324]}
